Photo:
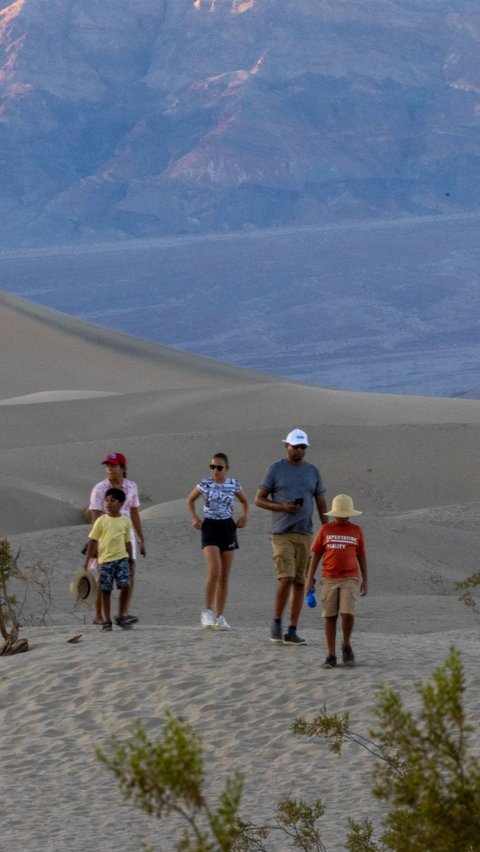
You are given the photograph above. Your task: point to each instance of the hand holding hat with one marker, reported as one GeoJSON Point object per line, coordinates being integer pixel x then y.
{"type": "Point", "coordinates": [83, 587]}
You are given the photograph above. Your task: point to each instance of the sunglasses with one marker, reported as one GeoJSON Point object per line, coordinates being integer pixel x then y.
{"type": "Point", "coordinates": [217, 467]}
{"type": "Point", "coordinates": [299, 446]}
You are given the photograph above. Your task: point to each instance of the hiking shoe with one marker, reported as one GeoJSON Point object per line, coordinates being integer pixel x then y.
{"type": "Point", "coordinates": [348, 656]}
{"type": "Point", "coordinates": [276, 633]}
{"type": "Point", "coordinates": [107, 625]}
{"type": "Point", "coordinates": [207, 618]}
{"type": "Point", "coordinates": [122, 621]}
{"type": "Point", "coordinates": [330, 662]}
{"type": "Point", "coordinates": [221, 624]}
{"type": "Point", "coordinates": [293, 639]}
{"type": "Point", "coordinates": [132, 619]}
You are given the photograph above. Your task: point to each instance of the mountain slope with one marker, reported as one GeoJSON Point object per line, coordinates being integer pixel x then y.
{"type": "Point", "coordinates": [151, 117]}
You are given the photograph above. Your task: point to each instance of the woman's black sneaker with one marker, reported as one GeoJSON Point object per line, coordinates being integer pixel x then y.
{"type": "Point", "coordinates": [330, 662]}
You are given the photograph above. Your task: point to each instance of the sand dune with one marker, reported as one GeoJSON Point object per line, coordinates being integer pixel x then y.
{"type": "Point", "coordinates": [52, 396]}
{"type": "Point", "coordinates": [239, 692]}
{"type": "Point", "coordinates": [168, 411]}
{"type": "Point", "coordinates": [406, 461]}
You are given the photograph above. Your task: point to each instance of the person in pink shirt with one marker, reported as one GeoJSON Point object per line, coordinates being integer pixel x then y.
{"type": "Point", "coordinates": [340, 544]}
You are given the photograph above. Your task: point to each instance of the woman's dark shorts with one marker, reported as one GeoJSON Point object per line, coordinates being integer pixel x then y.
{"type": "Point", "coordinates": [221, 534]}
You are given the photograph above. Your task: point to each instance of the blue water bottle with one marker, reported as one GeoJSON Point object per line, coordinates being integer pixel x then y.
{"type": "Point", "coordinates": [311, 599]}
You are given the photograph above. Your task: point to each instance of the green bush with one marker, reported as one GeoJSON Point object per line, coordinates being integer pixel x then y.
{"type": "Point", "coordinates": [36, 579]}
{"type": "Point", "coordinates": [423, 768]}
{"type": "Point", "coordinates": [166, 776]}
{"type": "Point", "coordinates": [8, 602]}
{"type": "Point", "coordinates": [467, 585]}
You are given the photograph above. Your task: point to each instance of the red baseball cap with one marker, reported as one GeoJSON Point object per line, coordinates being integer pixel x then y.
{"type": "Point", "coordinates": [115, 458]}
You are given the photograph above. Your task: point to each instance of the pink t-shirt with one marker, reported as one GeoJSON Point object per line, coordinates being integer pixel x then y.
{"type": "Point", "coordinates": [99, 490]}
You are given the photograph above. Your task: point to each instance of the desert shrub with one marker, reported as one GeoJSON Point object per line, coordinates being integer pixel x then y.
{"type": "Point", "coordinates": [423, 768]}
{"type": "Point", "coordinates": [426, 771]}
{"type": "Point", "coordinates": [16, 586]}
{"type": "Point", "coordinates": [8, 571]}
{"type": "Point", "coordinates": [469, 583]}
{"type": "Point", "coordinates": [9, 625]}
{"type": "Point", "coordinates": [166, 775]}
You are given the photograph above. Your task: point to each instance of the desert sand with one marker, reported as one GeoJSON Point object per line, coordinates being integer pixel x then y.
{"type": "Point", "coordinates": [70, 392]}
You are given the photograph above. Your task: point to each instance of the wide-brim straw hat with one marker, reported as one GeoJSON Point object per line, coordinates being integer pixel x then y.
{"type": "Point", "coordinates": [83, 588]}
{"type": "Point", "coordinates": [342, 507]}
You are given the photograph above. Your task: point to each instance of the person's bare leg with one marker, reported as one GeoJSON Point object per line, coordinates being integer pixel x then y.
{"type": "Point", "coordinates": [98, 607]}
{"type": "Point", "coordinates": [214, 565]}
{"type": "Point", "coordinates": [123, 602]}
{"type": "Point", "coordinates": [347, 627]}
{"type": "Point", "coordinates": [296, 603]}
{"type": "Point", "coordinates": [331, 633]}
{"type": "Point", "coordinates": [281, 597]}
{"type": "Point", "coordinates": [106, 606]}
{"type": "Point", "coordinates": [131, 586]}
{"type": "Point", "coordinates": [226, 559]}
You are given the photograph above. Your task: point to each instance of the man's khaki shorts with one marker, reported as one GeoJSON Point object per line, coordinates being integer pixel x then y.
{"type": "Point", "coordinates": [339, 596]}
{"type": "Point", "coordinates": [291, 555]}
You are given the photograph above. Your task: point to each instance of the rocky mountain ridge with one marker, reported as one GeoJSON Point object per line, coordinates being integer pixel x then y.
{"type": "Point", "coordinates": [156, 117]}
